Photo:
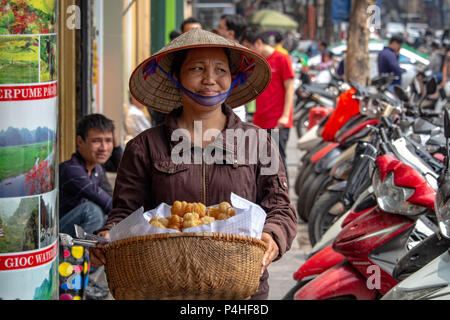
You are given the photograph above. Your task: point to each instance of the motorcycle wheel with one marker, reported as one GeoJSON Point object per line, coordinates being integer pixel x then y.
{"type": "Point", "coordinates": [290, 294]}
{"type": "Point", "coordinates": [301, 125]}
{"type": "Point", "coordinates": [320, 219]}
{"type": "Point", "coordinates": [301, 202]}
{"type": "Point", "coordinates": [315, 190]}
{"type": "Point", "coordinates": [305, 168]}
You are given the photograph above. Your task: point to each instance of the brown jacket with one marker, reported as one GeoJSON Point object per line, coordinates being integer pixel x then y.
{"type": "Point", "coordinates": [148, 175]}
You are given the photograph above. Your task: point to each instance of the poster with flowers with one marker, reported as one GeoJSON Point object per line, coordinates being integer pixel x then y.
{"type": "Point", "coordinates": [27, 16]}
{"type": "Point", "coordinates": [28, 144]}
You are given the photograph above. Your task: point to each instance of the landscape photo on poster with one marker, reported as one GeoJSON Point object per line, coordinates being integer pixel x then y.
{"type": "Point", "coordinates": [48, 65]}
{"type": "Point", "coordinates": [40, 283]}
{"type": "Point", "coordinates": [19, 59]}
{"type": "Point", "coordinates": [19, 224]}
{"type": "Point", "coordinates": [27, 147]}
{"type": "Point", "coordinates": [47, 217]}
{"type": "Point", "coordinates": [27, 17]}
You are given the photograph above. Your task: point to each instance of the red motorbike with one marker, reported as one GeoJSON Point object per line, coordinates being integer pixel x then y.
{"type": "Point", "coordinates": [359, 263]}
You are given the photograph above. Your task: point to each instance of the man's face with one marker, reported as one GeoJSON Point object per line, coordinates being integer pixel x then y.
{"type": "Point", "coordinates": [96, 147]}
{"type": "Point", "coordinates": [257, 46]}
{"type": "Point", "coordinates": [223, 30]}
{"type": "Point", "coordinates": [396, 46]}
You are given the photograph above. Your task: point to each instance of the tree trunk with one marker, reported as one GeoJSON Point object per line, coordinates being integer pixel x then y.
{"type": "Point", "coordinates": [357, 65]}
{"type": "Point", "coordinates": [327, 22]}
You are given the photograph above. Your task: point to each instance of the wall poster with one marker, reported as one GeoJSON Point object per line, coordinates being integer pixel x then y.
{"type": "Point", "coordinates": [28, 150]}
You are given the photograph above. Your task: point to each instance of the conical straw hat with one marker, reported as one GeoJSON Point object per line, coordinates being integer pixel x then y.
{"type": "Point", "coordinates": [155, 90]}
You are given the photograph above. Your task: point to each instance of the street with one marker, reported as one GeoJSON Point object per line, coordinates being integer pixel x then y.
{"type": "Point", "coordinates": [281, 271]}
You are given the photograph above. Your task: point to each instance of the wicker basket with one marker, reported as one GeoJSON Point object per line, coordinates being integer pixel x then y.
{"type": "Point", "coordinates": [184, 266]}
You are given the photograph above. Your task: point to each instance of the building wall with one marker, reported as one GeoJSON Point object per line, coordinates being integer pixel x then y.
{"type": "Point", "coordinates": [113, 63]}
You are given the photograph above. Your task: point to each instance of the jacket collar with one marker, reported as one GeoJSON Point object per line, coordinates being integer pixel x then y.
{"type": "Point", "coordinates": [79, 158]}
{"type": "Point", "coordinates": [233, 122]}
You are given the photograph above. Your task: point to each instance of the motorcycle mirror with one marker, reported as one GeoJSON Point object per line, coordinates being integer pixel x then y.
{"type": "Point", "coordinates": [431, 86]}
{"type": "Point", "coordinates": [400, 93]}
{"type": "Point", "coordinates": [447, 123]}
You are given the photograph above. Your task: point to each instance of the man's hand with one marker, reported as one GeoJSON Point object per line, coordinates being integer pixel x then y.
{"type": "Point", "coordinates": [282, 122]}
{"type": "Point", "coordinates": [96, 254]}
{"type": "Point", "coordinates": [271, 252]}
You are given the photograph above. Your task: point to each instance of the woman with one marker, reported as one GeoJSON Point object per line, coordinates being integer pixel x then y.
{"type": "Point", "coordinates": [191, 78]}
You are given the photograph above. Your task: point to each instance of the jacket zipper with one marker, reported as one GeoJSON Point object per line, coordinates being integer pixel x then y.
{"type": "Point", "coordinates": [204, 180]}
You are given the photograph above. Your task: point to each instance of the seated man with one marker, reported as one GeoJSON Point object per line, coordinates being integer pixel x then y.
{"type": "Point", "coordinates": [82, 201]}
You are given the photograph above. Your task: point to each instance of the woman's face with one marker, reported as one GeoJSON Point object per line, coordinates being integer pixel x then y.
{"type": "Point", "coordinates": [206, 71]}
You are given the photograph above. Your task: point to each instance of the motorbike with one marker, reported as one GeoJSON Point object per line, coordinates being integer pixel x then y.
{"type": "Point", "coordinates": [344, 139]}
{"type": "Point", "coordinates": [425, 271]}
{"type": "Point", "coordinates": [310, 95]}
{"type": "Point", "coordinates": [350, 176]}
{"type": "Point", "coordinates": [359, 230]}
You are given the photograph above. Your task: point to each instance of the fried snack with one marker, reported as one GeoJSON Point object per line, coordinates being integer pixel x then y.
{"type": "Point", "coordinates": [188, 215]}
{"type": "Point", "coordinates": [180, 208]}
{"type": "Point", "coordinates": [199, 208]}
{"type": "Point", "coordinates": [212, 212]}
{"type": "Point", "coordinates": [175, 222]}
{"type": "Point", "coordinates": [222, 212]}
{"type": "Point", "coordinates": [159, 222]}
{"type": "Point", "coordinates": [177, 208]}
{"type": "Point", "coordinates": [207, 219]}
{"type": "Point", "coordinates": [191, 219]}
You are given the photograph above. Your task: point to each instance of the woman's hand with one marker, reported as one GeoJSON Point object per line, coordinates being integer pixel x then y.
{"type": "Point", "coordinates": [271, 252]}
{"type": "Point", "coordinates": [96, 254]}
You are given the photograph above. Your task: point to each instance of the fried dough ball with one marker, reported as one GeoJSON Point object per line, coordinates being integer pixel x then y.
{"type": "Point", "coordinates": [180, 208]}
{"type": "Point", "coordinates": [199, 208]}
{"type": "Point", "coordinates": [223, 206]}
{"type": "Point", "coordinates": [207, 219]}
{"type": "Point", "coordinates": [177, 209]}
{"type": "Point", "coordinates": [191, 219]}
{"type": "Point", "coordinates": [212, 212]}
{"type": "Point", "coordinates": [159, 222]}
{"type": "Point", "coordinates": [222, 212]}
{"type": "Point", "coordinates": [175, 222]}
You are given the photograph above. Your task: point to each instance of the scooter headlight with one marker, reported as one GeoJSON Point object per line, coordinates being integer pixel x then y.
{"type": "Point", "coordinates": [442, 214]}
{"type": "Point", "coordinates": [392, 198]}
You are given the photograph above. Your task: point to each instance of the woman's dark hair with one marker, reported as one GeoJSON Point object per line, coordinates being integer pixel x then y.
{"type": "Point", "coordinates": [94, 121]}
{"type": "Point", "coordinates": [237, 23]}
{"type": "Point", "coordinates": [180, 56]}
{"type": "Point", "coordinates": [253, 34]}
{"type": "Point", "coordinates": [188, 21]}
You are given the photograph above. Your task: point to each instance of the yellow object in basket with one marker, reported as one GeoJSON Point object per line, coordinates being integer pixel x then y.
{"type": "Point", "coordinates": [187, 215]}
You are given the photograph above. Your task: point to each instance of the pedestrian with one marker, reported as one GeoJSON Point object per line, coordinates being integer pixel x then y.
{"type": "Point", "coordinates": [436, 62]}
{"type": "Point", "coordinates": [84, 192]}
{"type": "Point", "coordinates": [445, 84]}
{"type": "Point", "coordinates": [189, 24]}
{"type": "Point", "coordinates": [232, 27]}
{"type": "Point", "coordinates": [82, 201]}
{"type": "Point", "coordinates": [191, 78]}
{"type": "Point", "coordinates": [274, 107]}
{"type": "Point", "coordinates": [279, 42]}
{"type": "Point", "coordinates": [135, 120]}
{"type": "Point", "coordinates": [388, 60]}
{"type": "Point", "coordinates": [173, 34]}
